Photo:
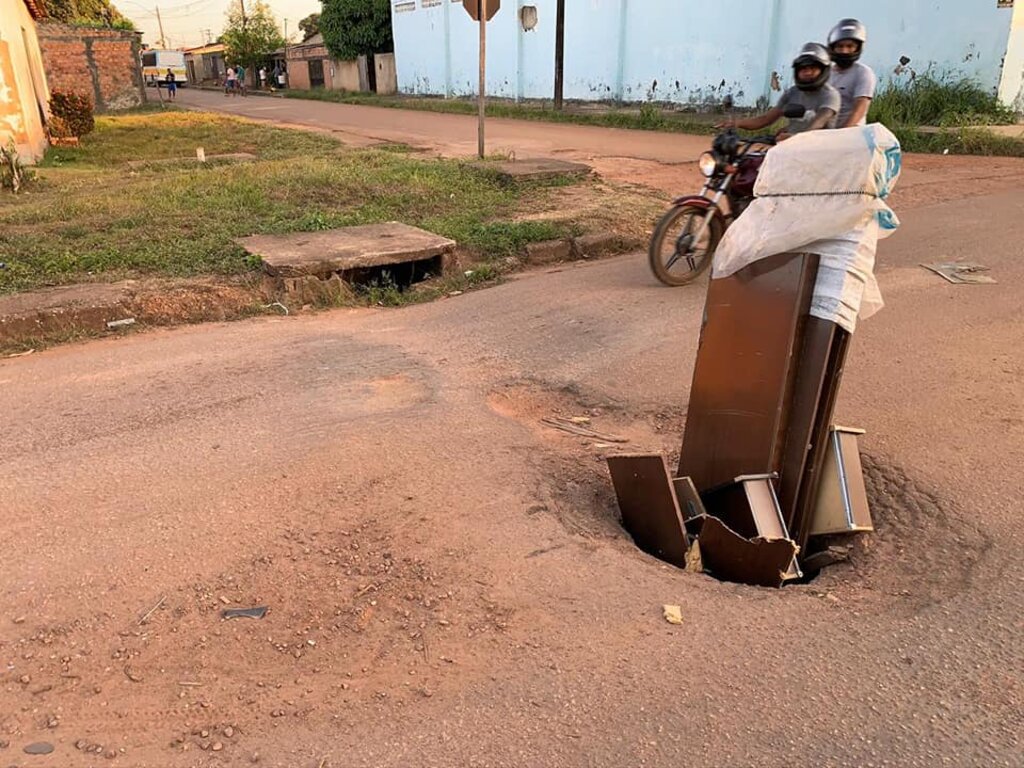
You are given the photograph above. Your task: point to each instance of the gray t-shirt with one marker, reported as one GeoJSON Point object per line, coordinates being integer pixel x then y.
{"type": "Point", "coordinates": [825, 97]}
{"type": "Point", "coordinates": [852, 83]}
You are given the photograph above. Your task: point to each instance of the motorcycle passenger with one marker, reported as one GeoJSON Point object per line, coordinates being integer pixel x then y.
{"type": "Point", "coordinates": [855, 82]}
{"type": "Point", "coordinates": [821, 102]}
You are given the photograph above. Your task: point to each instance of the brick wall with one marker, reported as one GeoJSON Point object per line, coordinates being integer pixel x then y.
{"type": "Point", "coordinates": [103, 63]}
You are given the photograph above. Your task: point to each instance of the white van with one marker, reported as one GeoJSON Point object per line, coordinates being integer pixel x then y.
{"type": "Point", "coordinates": [155, 64]}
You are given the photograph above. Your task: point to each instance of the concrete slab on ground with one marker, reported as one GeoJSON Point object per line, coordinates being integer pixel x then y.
{"type": "Point", "coordinates": [231, 157]}
{"type": "Point", "coordinates": [343, 250]}
{"type": "Point", "coordinates": [535, 168]}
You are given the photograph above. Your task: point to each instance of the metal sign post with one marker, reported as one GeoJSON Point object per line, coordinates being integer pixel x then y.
{"type": "Point", "coordinates": [482, 11]}
{"type": "Point", "coordinates": [482, 107]}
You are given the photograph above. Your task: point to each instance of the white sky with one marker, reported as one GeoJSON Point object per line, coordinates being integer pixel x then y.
{"type": "Point", "coordinates": [186, 23]}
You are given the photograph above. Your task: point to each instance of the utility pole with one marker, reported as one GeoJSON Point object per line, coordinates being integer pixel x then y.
{"type": "Point", "coordinates": [559, 52]}
{"type": "Point", "coordinates": [242, 4]}
{"type": "Point", "coordinates": [163, 42]}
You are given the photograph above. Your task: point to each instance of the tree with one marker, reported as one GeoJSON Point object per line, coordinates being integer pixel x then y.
{"type": "Point", "coordinates": [309, 26]}
{"type": "Point", "coordinates": [354, 28]}
{"type": "Point", "coordinates": [85, 12]}
{"type": "Point", "coordinates": [251, 34]}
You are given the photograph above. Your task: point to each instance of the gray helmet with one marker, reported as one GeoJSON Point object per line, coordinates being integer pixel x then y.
{"type": "Point", "coordinates": [847, 29]}
{"type": "Point", "coordinates": [815, 55]}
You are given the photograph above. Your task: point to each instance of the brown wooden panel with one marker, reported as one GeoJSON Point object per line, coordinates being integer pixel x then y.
{"type": "Point", "coordinates": [808, 387]}
{"type": "Point", "coordinates": [647, 500]}
{"type": "Point", "coordinates": [803, 513]}
{"type": "Point", "coordinates": [744, 370]}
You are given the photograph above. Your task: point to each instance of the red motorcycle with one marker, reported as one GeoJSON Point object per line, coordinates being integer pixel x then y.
{"type": "Point", "coordinates": [685, 239]}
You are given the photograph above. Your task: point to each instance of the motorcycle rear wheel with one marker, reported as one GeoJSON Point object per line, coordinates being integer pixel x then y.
{"type": "Point", "coordinates": [674, 257]}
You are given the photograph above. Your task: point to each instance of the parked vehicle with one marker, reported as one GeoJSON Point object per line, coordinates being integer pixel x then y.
{"type": "Point", "coordinates": [155, 64]}
{"type": "Point", "coordinates": [685, 239]}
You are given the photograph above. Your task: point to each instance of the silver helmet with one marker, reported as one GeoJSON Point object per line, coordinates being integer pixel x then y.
{"type": "Point", "coordinates": [814, 55]}
{"type": "Point", "coordinates": [847, 29]}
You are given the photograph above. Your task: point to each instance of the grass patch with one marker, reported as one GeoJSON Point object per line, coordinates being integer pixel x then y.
{"type": "Point", "coordinates": [647, 117]}
{"type": "Point", "coordinates": [962, 141]}
{"type": "Point", "coordinates": [89, 217]}
{"type": "Point", "coordinates": [938, 101]}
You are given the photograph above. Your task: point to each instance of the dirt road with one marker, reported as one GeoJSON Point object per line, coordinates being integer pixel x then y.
{"type": "Point", "coordinates": [662, 161]}
{"type": "Point", "coordinates": [446, 581]}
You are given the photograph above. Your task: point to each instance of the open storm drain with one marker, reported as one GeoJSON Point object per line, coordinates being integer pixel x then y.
{"type": "Point", "coordinates": [326, 265]}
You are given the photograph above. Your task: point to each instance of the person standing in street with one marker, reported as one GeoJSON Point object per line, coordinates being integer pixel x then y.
{"type": "Point", "coordinates": [855, 82]}
{"type": "Point", "coordinates": [229, 82]}
{"type": "Point", "coordinates": [172, 85]}
{"type": "Point", "coordinates": [240, 78]}
{"type": "Point", "coordinates": [263, 78]}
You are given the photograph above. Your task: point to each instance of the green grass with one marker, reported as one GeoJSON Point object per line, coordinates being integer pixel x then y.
{"type": "Point", "coordinates": [938, 101]}
{"type": "Point", "coordinates": [89, 216]}
{"type": "Point", "coordinates": [960, 141]}
{"type": "Point", "coordinates": [648, 117]}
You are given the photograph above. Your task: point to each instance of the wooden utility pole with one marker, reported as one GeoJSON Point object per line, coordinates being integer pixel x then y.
{"type": "Point", "coordinates": [482, 107]}
{"type": "Point", "coordinates": [559, 52]}
{"type": "Point", "coordinates": [160, 22]}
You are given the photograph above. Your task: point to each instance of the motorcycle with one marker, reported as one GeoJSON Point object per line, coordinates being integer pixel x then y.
{"type": "Point", "coordinates": [685, 239]}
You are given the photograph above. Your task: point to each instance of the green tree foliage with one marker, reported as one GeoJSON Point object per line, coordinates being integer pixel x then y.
{"type": "Point", "coordinates": [310, 25]}
{"type": "Point", "coordinates": [354, 28]}
{"type": "Point", "coordinates": [87, 12]}
{"type": "Point", "coordinates": [250, 37]}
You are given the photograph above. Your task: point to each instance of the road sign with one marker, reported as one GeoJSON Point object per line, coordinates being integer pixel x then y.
{"type": "Point", "coordinates": [473, 8]}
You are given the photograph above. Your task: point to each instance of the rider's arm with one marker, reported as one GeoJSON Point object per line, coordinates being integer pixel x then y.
{"type": "Point", "coordinates": [773, 115]}
{"type": "Point", "coordinates": [859, 111]}
{"type": "Point", "coordinates": [821, 120]}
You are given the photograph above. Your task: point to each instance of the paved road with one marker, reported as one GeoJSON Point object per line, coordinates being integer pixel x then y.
{"type": "Point", "coordinates": [446, 581]}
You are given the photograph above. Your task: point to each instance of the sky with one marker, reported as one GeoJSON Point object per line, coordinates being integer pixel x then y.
{"type": "Point", "coordinates": [188, 23]}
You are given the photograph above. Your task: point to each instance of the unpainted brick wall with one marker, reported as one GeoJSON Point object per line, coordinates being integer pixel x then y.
{"type": "Point", "coordinates": [102, 63]}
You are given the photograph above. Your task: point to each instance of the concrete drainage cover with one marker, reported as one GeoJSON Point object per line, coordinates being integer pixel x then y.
{"type": "Point", "coordinates": [346, 249]}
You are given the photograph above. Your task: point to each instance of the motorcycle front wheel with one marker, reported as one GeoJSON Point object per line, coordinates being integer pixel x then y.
{"type": "Point", "coordinates": [679, 252]}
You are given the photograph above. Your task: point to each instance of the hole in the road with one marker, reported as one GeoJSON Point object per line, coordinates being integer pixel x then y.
{"type": "Point", "coordinates": [395, 277]}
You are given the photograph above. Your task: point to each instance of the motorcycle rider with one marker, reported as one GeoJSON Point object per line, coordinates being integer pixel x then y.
{"type": "Point", "coordinates": [855, 82]}
{"type": "Point", "coordinates": [811, 71]}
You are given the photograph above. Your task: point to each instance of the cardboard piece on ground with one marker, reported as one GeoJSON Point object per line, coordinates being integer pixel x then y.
{"type": "Point", "coordinates": [731, 557]}
{"type": "Point", "coordinates": [961, 272]}
{"type": "Point", "coordinates": [650, 511]}
{"type": "Point", "coordinates": [842, 502]}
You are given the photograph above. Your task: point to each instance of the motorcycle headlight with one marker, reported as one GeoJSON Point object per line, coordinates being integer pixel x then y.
{"type": "Point", "coordinates": [708, 164]}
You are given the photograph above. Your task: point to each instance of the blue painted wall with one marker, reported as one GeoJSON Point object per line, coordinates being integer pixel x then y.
{"type": "Point", "coordinates": [683, 51]}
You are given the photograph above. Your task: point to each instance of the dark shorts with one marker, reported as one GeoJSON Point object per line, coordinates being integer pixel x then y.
{"type": "Point", "coordinates": [172, 87]}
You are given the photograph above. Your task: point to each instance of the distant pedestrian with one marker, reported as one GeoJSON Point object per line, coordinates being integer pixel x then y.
{"type": "Point", "coordinates": [172, 85]}
{"type": "Point", "coordinates": [263, 78]}
{"type": "Point", "coordinates": [230, 82]}
{"type": "Point", "coordinates": [240, 77]}
{"type": "Point", "coordinates": [280, 76]}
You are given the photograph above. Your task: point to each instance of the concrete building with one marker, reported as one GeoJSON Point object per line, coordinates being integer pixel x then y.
{"type": "Point", "coordinates": [692, 52]}
{"type": "Point", "coordinates": [205, 64]}
{"type": "Point", "coordinates": [310, 65]}
{"type": "Point", "coordinates": [24, 94]}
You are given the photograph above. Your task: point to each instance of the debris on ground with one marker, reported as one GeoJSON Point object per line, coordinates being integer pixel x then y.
{"type": "Point", "coordinates": [961, 272]}
{"type": "Point", "coordinates": [245, 613]}
{"type": "Point", "coordinates": [38, 748]}
{"type": "Point", "coordinates": [576, 428]}
{"type": "Point", "coordinates": [673, 614]}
